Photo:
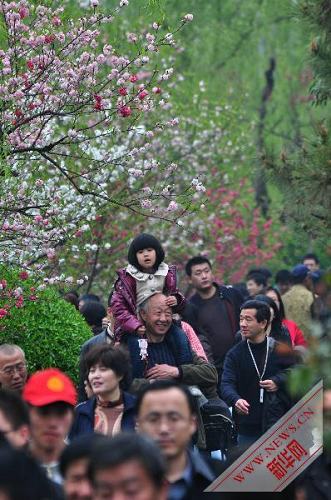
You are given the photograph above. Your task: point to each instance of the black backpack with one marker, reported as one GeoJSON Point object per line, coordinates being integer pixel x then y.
{"type": "Point", "coordinates": [219, 427]}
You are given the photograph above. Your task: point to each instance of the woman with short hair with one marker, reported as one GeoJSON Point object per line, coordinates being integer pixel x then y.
{"type": "Point", "coordinates": [110, 410]}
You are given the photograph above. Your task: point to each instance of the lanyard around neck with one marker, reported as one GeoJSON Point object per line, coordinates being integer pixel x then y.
{"type": "Point", "coordinates": [265, 361]}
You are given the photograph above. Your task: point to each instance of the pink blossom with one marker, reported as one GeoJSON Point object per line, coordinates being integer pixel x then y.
{"type": "Point", "coordinates": [3, 313]}
{"type": "Point", "coordinates": [56, 21]}
{"type": "Point", "coordinates": [17, 292]}
{"type": "Point", "coordinates": [142, 94]}
{"type": "Point", "coordinates": [23, 275]}
{"type": "Point", "coordinates": [188, 18]}
{"type": "Point", "coordinates": [38, 219]}
{"type": "Point", "coordinates": [94, 3]}
{"type": "Point", "coordinates": [172, 206]}
{"type": "Point", "coordinates": [122, 91]}
{"type": "Point", "coordinates": [125, 111]}
{"type": "Point", "coordinates": [132, 37]}
{"type": "Point", "coordinates": [3, 284]}
{"type": "Point", "coordinates": [107, 49]}
{"type": "Point", "coordinates": [23, 12]}
{"type": "Point", "coordinates": [146, 203]}
{"type": "Point", "coordinates": [19, 302]}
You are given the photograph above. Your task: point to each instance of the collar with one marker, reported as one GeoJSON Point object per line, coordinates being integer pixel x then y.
{"type": "Point", "coordinates": [187, 473]}
{"type": "Point", "coordinates": [200, 466]}
{"type": "Point", "coordinates": [110, 404]}
{"type": "Point", "coordinates": [88, 407]}
{"type": "Point", "coordinates": [162, 270]}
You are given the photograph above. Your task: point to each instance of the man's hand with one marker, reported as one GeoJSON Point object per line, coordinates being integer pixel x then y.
{"type": "Point", "coordinates": [141, 330]}
{"type": "Point", "coordinates": [171, 301]}
{"type": "Point", "coordinates": [242, 406]}
{"type": "Point", "coordinates": [162, 372]}
{"type": "Point", "coordinates": [269, 385]}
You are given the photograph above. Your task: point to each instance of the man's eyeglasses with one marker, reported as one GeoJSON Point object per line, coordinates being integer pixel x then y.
{"type": "Point", "coordinates": [10, 370]}
{"type": "Point", "coordinates": [172, 419]}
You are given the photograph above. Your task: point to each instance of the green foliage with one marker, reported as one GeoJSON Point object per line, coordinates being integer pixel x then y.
{"type": "Point", "coordinates": [315, 368]}
{"type": "Point", "coordinates": [305, 181]}
{"type": "Point", "coordinates": [317, 15]}
{"type": "Point", "coordinates": [49, 329]}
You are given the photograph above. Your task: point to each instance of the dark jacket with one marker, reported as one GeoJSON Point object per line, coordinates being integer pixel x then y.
{"type": "Point", "coordinates": [175, 340]}
{"type": "Point", "coordinates": [124, 300]}
{"type": "Point", "coordinates": [233, 301]}
{"type": "Point", "coordinates": [84, 416]}
{"type": "Point", "coordinates": [239, 379]}
{"type": "Point", "coordinates": [193, 370]}
{"type": "Point", "coordinates": [204, 472]}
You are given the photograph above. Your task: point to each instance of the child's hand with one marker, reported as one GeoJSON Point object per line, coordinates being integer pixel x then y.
{"type": "Point", "coordinates": [141, 330]}
{"type": "Point", "coordinates": [171, 301]}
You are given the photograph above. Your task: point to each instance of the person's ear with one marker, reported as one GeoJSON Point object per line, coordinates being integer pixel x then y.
{"type": "Point", "coordinates": [143, 314]}
{"type": "Point", "coordinates": [193, 424]}
{"type": "Point", "coordinates": [265, 324]}
{"type": "Point", "coordinates": [24, 432]}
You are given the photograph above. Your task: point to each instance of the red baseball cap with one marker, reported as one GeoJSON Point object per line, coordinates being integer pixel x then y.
{"type": "Point", "coordinates": [49, 386]}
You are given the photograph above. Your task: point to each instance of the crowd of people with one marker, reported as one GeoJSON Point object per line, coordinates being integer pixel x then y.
{"type": "Point", "coordinates": [157, 369]}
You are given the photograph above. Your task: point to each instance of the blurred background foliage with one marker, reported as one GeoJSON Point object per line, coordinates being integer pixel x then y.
{"type": "Point", "coordinates": [257, 62]}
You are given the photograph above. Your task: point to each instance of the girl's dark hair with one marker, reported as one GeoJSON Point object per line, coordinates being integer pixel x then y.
{"type": "Point", "coordinates": [281, 303]}
{"type": "Point", "coordinates": [116, 358]}
{"type": "Point", "coordinates": [142, 241]}
{"type": "Point", "coordinates": [276, 324]}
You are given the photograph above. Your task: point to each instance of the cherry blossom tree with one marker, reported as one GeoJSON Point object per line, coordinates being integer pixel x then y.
{"type": "Point", "coordinates": [76, 120]}
{"type": "Point", "coordinates": [225, 224]}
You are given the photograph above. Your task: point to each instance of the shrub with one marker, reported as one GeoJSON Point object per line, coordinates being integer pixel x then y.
{"type": "Point", "coordinates": [48, 329]}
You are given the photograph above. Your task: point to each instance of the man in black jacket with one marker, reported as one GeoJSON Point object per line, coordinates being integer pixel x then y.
{"type": "Point", "coordinates": [214, 308]}
{"type": "Point", "coordinates": [253, 369]}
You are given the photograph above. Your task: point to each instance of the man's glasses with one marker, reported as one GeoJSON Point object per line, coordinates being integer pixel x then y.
{"type": "Point", "coordinates": [172, 419]}
{"type": "Point", "coordinates": [10, 370]}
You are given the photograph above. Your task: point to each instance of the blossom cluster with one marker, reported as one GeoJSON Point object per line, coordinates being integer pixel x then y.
{"type": "Point", "coordinates": [78, 120]}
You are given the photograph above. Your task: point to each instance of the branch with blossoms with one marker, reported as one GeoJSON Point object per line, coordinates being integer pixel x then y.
{"type": "Point", "coordinates": [219, 165]}
{"type": "Point", "coordinates": [73, 111]}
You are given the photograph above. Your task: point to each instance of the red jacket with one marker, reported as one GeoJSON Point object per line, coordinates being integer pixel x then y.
{"type": "Point", "coordinates": [295, 333]}
{"type": "Point", "coordinates": [124, 300]}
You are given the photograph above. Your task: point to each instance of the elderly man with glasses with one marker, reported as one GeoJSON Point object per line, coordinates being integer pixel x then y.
{"type": "Point", "coordinates": [13, 369]}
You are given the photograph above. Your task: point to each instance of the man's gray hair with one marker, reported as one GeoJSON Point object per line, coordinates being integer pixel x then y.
{"type": "Point", "coordinates": [9, 349]}
{"type": "Point", "coordinates": [145, 304]}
